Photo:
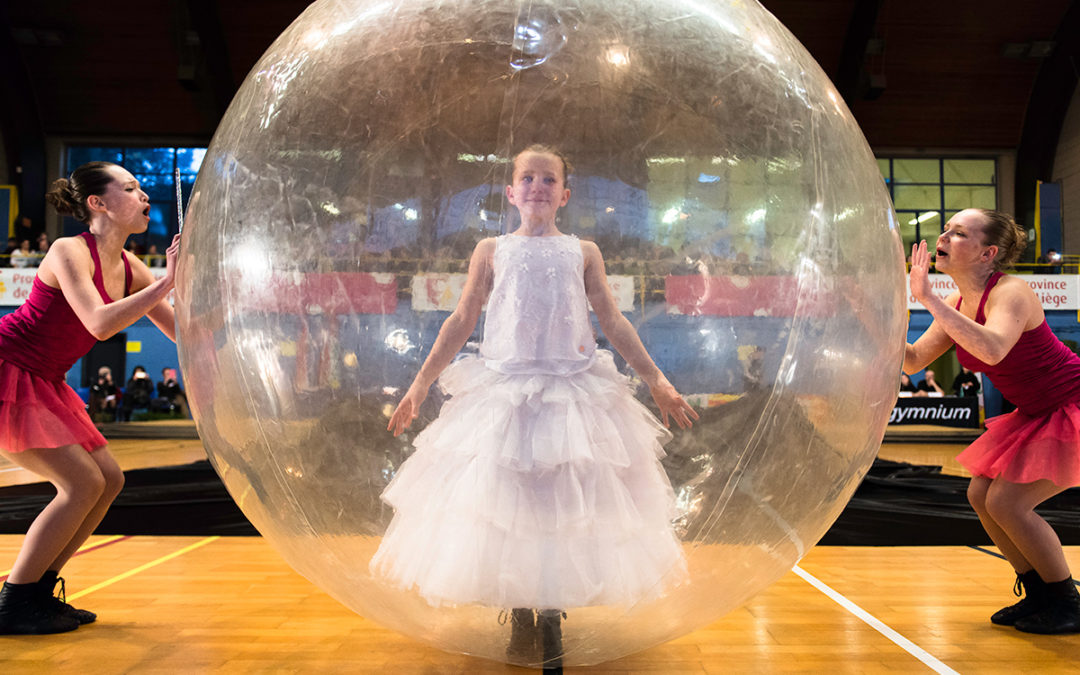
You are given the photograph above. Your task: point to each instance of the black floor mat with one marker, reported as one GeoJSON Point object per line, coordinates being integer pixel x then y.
{"type": "Point", "coordinates": [907, 505]}
{"type": "Point", "coordinates": [179, 500]}
{"type": "Point", "coordinates": [896, 505]}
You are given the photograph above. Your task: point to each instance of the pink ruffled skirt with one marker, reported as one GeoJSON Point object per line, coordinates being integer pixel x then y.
{"type": "Point", "coordinates": [38, 413]}
{"type": "Point", "coordinates": [1024, 449]}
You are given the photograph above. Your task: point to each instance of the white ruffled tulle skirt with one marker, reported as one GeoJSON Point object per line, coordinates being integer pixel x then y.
{"type": "Point", "coordinates": [540, 491]}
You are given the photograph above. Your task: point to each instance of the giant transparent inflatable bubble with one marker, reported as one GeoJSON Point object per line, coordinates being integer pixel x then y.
{"type": "Point", "coordinates": [747, 234]}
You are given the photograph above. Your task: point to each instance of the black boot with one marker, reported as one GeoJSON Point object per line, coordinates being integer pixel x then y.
{"type": "Point", "coordinates": [522, 648]}
{"type": "Point", "coordinates": [1061, 614]}
{"type": "Point", "coordinates": [1033, 588]}
{"type": "Point", "coordinates": [24, 612]}
{"type": "Point", "coordinates": [549, 621]}
{"type": "Point", "coordinates": [47, 586]}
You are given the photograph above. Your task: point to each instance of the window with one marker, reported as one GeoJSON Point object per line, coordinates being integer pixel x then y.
{"type": "Point", "coordinates": [155, 169]}
{"type": "Point", "coordinates": [927, 192]}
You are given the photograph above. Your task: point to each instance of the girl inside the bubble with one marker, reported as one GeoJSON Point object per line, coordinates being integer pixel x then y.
{"type": "Point", "coordinates": [539, 487]}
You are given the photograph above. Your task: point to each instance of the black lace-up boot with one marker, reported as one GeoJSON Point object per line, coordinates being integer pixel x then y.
{"type": "Point", "coordinates": [1033, 588]}
{"type": "Point", "coordinates": [522, 649]}
{"type": "Point", "coordinates": [549, 621]}
{"type": "Point", "coordinates": [47, 586]}
{"type": "Point", "coordinates": [1059, 615]}
{"type": "Point", "coordinates": [23, 611]}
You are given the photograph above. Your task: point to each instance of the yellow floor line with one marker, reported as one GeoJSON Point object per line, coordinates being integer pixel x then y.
{"type": "Point", "coordinates": [140, 568]}
{"type": "Point", "coordinates": [89, 544]}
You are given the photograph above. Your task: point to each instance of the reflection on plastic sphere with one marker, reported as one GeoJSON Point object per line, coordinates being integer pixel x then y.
{"type": "Point", "coordinates": [744, 223]}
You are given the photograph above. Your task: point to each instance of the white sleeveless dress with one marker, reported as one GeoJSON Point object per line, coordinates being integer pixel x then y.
{"type": "Point", "coordinates": [540, 484]}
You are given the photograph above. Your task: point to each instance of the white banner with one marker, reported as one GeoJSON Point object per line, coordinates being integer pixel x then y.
{"type": "Point", "coordinates": [437, 291]}
{"type": "Point", "coordinates": [1055, 291]}
{"type": "Point", "coordinates": [15, 285]}
{"type": "Point", "coordinates": [441, 291]}
{"type": "Point", "coordinates": [622, 287]}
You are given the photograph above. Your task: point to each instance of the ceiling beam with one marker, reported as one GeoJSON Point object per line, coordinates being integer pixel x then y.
{"type": "Point", "coordinates": [851, 80]}
{"type": "Point", "coordinates": [1046, 110]}
{"type": "Point", "coordinates": [20, 126]}
{"type": "Point", "coordinates": [204, 57]}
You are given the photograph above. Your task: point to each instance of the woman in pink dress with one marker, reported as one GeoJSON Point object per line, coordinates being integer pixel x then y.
{"type": "Point", "coordinates": [44, 427]}
{"type": "Point", "coordinates": [1032, 453]}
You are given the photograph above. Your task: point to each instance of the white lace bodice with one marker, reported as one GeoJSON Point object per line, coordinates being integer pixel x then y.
{"type": "Point", "coordinates": [537, 315]}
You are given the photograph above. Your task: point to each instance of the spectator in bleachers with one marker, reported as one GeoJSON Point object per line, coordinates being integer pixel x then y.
{"type": "Point", "coordinates": [24, 228]}
{"type": "Point", "coordinates": [137, 394]}
{"type": "Point", "coordinates": [929, 386]}
{"type": "Point", "coordinates": [906, 385]}
{"type": "Point", "coordinates": [22, 257]}
{"type": "Point", "coordinates": [1051, 262]}
{"type": "Point", "coordinates": [12, 246]}
{"type": "Point", "coordinates": [170, 395]}
{"type": "Point", "coordinates": [42, 246]}
{"type": "Point", "coordinates": [153, 258]}
{"type": "Point", "coordinates": [103, 396]}
{"type": "Point", "coordinates": [966, 383]}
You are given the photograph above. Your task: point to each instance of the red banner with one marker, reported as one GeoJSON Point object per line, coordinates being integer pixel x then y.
{"type": "Point", "coordinates": [697, 295]}
{"type": "Point", "coordinates": [322, 293]}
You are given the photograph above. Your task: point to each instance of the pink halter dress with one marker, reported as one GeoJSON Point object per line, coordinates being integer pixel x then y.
{"type": "Point", "coordinates": [39, 343]}
{"type": "Point", "coordinates": [1041, 438]}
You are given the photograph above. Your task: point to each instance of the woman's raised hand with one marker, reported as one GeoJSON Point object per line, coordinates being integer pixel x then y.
{"type": "Point", "coordinates": [171, 255]}
{"type": "Point", "coordinates": [920, 271]}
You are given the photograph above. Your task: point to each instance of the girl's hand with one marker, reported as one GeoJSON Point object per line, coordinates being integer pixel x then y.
{"type": "Point", "coordinates": [920, 271]}
{"type": "Point", "coordinates": [672, 405]}
{"type": "Point", "coordinates": [406, 410]}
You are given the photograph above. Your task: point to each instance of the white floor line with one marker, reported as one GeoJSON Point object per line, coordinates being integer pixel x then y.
{"type": "Point", "coordinates": [907, 645]}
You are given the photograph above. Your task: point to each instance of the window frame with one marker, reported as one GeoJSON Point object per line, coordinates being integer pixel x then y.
{"type": "Point", "coordinates": [108, 152]}
{"type": "Point", "coordinates": [924, 230]}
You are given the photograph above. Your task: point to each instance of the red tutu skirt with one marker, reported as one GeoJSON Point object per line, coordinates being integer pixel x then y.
{"type": "Point", "coordinates": [37, 413]}
{"type": "Point", "coordinates": [1024, 449]}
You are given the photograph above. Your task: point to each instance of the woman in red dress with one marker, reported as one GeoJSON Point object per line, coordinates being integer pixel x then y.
{"type": "Point", "coordinates": [1032, 453]}
{"type": "Point", "coordinates": [44, 426]}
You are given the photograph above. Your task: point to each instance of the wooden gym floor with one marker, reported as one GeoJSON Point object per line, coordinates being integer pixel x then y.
{"type": "Point", "coordinates": [231, 605]}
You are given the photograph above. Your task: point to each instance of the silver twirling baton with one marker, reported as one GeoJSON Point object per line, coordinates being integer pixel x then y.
{"type": "Point", "coordinates": [179, 204]}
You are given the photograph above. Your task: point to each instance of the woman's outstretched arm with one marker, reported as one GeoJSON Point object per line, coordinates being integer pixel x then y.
{"type": "Point", "coordinates": [161, 314]}
{"type": "Point", "coordinates": [68, 266]}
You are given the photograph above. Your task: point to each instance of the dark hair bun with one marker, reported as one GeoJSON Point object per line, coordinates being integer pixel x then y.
{"type": "Point", "coordinates": [68, 195]}
{"type": "Point", "coordinates": [64, 200]}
